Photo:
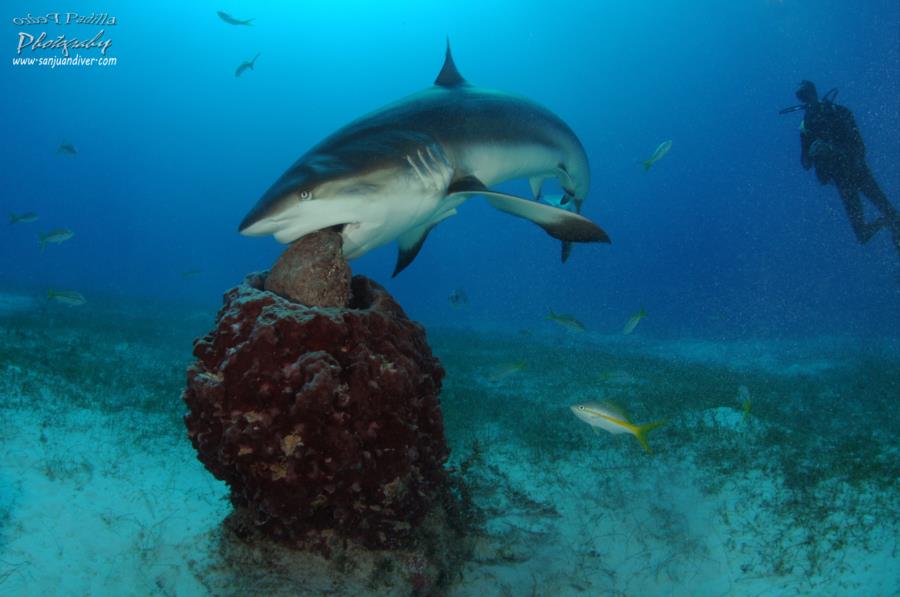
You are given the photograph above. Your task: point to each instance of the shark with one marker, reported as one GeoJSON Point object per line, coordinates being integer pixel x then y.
{"type": "Point", "coordinates": [396, 173]}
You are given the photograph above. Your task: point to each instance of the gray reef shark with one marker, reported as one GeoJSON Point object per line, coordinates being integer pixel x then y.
{"type": "Point", "coordinates": [398, 172]}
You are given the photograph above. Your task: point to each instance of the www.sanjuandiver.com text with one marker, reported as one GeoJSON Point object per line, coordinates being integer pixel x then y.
{"type": "Point", "coordinates": [61, 61]}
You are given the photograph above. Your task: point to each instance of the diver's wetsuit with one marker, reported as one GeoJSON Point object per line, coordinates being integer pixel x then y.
{"type": "Point", "coordinates": [830, 141]}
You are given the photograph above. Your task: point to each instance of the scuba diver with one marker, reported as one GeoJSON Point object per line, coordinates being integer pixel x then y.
{"type": "Point", "coordinates": [831, 142]}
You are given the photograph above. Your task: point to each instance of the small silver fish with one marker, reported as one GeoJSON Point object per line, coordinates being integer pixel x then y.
{"type": "Point", "coordinates": [245, 65]}
{"type": "Point", "coordinates": [25, 218]}
{"type": "Point", "coordinates": [231, 20]}
{"type": "Point", "coordinates": [55, 237]}
{"type": "Point", "coordinates": [67, 297]}
{"type": "Point", "coordinates": [661, 151]}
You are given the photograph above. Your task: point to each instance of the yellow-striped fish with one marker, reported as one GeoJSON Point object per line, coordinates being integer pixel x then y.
{"type": "Point", "coordinates": [745, 401]}
{"type": "Point", "coordinates": [661, 151]}
{"type": "Point", "coordinates": [633, 321]}
{"type": "Point", "coordinates": [504, 371]}
{"type": "Point", "coordinates": [26, 218]}
{"type": "Point", "coordinates": [67, 297]}
{"type": "Point", "coordinates": [56, 236]}
{"type": "Point", "coordinates": [612, 418]}
{"type": "Point", "coordinates": [567, 321]}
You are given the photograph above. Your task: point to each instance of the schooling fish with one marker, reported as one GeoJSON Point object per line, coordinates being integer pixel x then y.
{"type": "Point", "coordinates": [566, 321]}
{"type": "Point", "coordinates": [398, 172]}
{"type": "Point", "coordinates": [66, 149]}
{"type": "Point", "coordinates": [67, 297]}
{"type": "Point", "coordinates": [661, 151]}
{"type": "Point", "coordinates": [26, 218]}
{"type": "Point", "coordinates": [611, 418]}
{"type": "Point", "coordinates": [231, 20]}
{"type": "Point", "coordinates": [55, 237]}
{"type": "Point", "coordinates": [245, 65]}
{"type": "Point", "coordinates": [633, 321]}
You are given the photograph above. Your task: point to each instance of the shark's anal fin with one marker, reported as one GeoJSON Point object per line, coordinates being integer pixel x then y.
{"type": "Point", "coordinates": [449, 76]}
{"type": "Point", "coordinates": [558, 223]}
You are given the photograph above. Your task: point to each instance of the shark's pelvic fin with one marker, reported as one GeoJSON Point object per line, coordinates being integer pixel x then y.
{"type": "Point", "coordinates": [566, 250]}
{"type": "Point", "coordinates": [410, 242]}
{"type": "Point", "coordinates": [408, 246]}
{"type": "Point", "coordinates": [558, 223]}
{"type": "Point", "coordinates": [449, 76]}
{"type": "Point", "coordinates": [535, 183]}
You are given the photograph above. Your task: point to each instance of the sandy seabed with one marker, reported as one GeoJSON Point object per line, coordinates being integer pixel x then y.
{"type": "Point", "coordinates": [101, 493]}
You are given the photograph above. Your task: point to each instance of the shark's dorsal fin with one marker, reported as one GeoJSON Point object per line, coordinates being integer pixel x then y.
{"type": "Point", "coordinates": [449, 76]}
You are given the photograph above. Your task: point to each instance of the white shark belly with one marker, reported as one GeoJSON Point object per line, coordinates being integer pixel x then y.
{"type": "Point", "coordinates": [383, 220]}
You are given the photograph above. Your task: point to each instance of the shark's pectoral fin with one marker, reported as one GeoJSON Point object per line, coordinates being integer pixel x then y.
{"type": "Point", "coordinates": [558, 223]}
{"type": "Point", "coordinates": [468, 185]}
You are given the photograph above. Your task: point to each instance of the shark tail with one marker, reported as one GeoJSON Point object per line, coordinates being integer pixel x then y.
{"type": "Point", "coordinates": [641, 431]}
{"type": "Point", "coordinates": [13, 218]}
{"type": "Point", "coordinates": [43, 244]}
{"type": "Point", "coordinates": [647, 165]}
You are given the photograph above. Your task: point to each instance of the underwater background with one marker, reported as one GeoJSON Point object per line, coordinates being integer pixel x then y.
{"type": "Point", "coordinates": [747, 268]}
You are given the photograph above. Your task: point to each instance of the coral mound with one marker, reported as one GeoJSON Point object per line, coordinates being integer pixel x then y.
{"type": "Point", "coordinates": [324, 422]}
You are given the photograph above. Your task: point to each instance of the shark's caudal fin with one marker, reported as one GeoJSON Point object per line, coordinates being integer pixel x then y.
{"type": "Point", "coordinates": [641, 431]}
{"type": "Point", "coordinates": [449, 76]}
{"type": "Point", "coordinates": [647, 164]}
{"type": "Point", "coordinates": [558, 223]}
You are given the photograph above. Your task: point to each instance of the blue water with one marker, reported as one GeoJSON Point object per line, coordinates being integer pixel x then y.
{"type": "Point", "coordinates": [727, 239]}
{"type": "Point", "coordinates": [726, 233]}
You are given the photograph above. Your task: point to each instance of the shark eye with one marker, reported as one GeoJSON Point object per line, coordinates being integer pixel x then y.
{"type": "Point", "coordinates": [580, 408]}
{"type": "Point", "coordinates": [305, 195]}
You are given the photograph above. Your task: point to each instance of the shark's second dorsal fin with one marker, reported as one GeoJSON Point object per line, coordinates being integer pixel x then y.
{"type": "Point", "coordinates": [449, 76]}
